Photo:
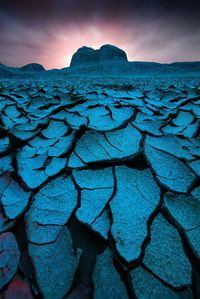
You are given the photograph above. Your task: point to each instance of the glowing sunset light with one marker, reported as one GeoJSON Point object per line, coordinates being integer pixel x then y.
{"type": "Point", "coordinates": [54, 30]}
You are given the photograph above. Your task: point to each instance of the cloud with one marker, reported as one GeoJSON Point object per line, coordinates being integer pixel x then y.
{"type": "Point", "coordinates": [69, 10]}
{"type": "Point", "coordinates": [50, 31]}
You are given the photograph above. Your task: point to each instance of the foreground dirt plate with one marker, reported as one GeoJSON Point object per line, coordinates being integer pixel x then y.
{"type": "Point", "coordinates": [99, 190]}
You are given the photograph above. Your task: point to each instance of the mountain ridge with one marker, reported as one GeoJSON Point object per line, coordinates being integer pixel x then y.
{"type": "Point", "coordinates": [108, 60]}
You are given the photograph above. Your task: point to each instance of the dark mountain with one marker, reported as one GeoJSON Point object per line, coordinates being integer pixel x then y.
{"type": "Point", "coordinates": [106, 53]}
{"type": "Point", "coordinates": [12, 71]}
{"type": "Point", "coordinates": [112, 61]}
{"type": "Point", "coordinates": [106, 61]}
{"type": "Point", "coordinates": [31, 67]}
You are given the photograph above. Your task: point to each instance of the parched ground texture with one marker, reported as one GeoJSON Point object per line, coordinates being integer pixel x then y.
{"type": "Point", "coordinates": [99, 190]}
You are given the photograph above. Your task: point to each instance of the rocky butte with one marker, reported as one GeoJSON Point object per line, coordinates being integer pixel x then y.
{"type": "Point", "coordinates": [106, 53]}
{"type": "Point", "coordinates": [112, 61]}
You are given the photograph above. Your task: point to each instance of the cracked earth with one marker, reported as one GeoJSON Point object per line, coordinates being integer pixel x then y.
{"type": "Point", "coordinates": [99, 191]}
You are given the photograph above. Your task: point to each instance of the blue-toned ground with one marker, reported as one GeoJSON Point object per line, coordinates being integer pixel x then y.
{"type": "Point", "coordinates": [99, 187]}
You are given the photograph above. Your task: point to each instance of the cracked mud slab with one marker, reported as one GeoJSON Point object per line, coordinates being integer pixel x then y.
{"type": "Point", "coordinates": [135, 201]}
{"type": "Point", "coordinates": [171, 172]}
{"type": "Point", "coordinates": [97, 187]}
{"type": "Point", "coordinates": [97, 147]}
{"type": "Point", "coordinates": [107, 282]}
{"type": "Point", "coordinates": [55, 265]}
{"type": "Point", "coordinates": [13, 198]}
{"type": "Point", "coordinates": [165, 256]}
{"type": "Point", "coordinates": [9, 257]}
{"type": "Point", "coordinates": [154, 287]}
{"type": "Point", "coordinates": [50, 209]}
{"type": "Point", "coordinates": [185, 210]}
{"type": "Point", "coordinates": [99, 190]}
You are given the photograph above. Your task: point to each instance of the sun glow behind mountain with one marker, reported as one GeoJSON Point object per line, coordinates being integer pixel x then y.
{"type": "Point", "coordinates": [49, 32]}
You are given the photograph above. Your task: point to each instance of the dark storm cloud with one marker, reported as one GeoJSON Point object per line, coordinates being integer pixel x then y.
{"type": "Point", "coordinates": [69, 10]}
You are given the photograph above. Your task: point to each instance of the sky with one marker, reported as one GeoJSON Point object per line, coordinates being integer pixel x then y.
{"type": "Point", "coordinates": [50, 31]}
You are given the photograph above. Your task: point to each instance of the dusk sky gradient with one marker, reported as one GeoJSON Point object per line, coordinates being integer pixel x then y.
{"type": "Point", "coordinates": [50, 31]}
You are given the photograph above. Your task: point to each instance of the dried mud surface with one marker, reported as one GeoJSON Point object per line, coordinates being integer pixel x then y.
{"type": "Point", "coordinates": [99, 190]}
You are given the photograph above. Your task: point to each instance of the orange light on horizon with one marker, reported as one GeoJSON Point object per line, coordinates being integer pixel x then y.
{"type": "Point", "coordinates": [54, 44]}
{"type": "Point", "coordinates": [66, 42]}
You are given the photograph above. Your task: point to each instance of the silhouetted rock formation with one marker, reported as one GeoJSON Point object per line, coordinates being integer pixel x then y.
{"type": "Point", "coordinates": [4, 71]}
{"type": "Point", "coordinates": [110, 60]}
{"type": "Point", "coordinates": [33, 67]}
{"type": "Point", "coordinates": [86, 55]}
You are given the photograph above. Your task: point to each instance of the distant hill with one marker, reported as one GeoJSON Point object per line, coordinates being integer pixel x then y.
{"type": "Point", "coordinates": [31, 67]}
{"type": "Point", "coordinates": [7, 71]}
